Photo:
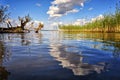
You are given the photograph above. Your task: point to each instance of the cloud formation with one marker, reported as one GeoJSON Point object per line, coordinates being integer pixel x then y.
{"type": "Point", "coordinates": [38, 4]}
{"type": "Point", "coordinates": [97, 18]}
{"type": "Point", "coordinates": [63, 7]}
{"type": "Point", "coordinates": [84, 21]}
{"type": "Point", "coordinates": [90, 9]}
{"type": "Point", "coordinates": [33, 24]}
{"type": "Point", "coordinates": [56, 23]}
{"type": "Point", "coordinates": [80, 22]}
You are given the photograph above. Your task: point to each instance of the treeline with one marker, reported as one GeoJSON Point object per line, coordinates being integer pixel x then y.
{"type": "Point", "coordinates": [109, 23]}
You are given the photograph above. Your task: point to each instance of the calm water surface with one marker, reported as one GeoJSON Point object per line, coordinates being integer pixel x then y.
{"type": "Point", "coordinates": [53, 55]}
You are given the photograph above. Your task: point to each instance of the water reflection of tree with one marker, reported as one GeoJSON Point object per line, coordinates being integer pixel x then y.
{"type": "Point", "coordinates": [39, 37]}
{"type": "Point", "coordinates": [3, 72]}
{"type": "Point", "coordinates": [116, 52]}
{"type": "Point", "coordinates": [22, 38]}
{"type": "Point", "coordinates": [26, 38]}
{"type": "Point", "coordinates": [24, 41]}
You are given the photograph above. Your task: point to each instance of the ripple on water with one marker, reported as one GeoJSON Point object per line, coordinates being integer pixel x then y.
{"type": "Point", "coordinates": [51, 55]}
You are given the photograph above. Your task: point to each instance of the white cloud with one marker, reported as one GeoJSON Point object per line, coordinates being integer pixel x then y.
{"type": "Point", "coordinates": [38, 4]}
{"type": "Point", "coordinates": [56, 23]}
{"type": "Point", "coordinates": [97, 18]}
{"type": "Point", "coordinates": [81, 8]}
{"type": "Point", "coordinates": [84, 21]}
{"type": "Point", "coordinates": [31, 26]}
{"type": "Point", "coordinates": [8, 5]}
{"type": "Point", "coordinates": [15, 23]}
{"type": "Point", "coordinates": [63, 7]}
{"type": "Point", "coordinates": [80, 22]}
{"type": "Point", "coordinates": [72, 11]}
{"type": "Point", "coordinates": [90, 9]}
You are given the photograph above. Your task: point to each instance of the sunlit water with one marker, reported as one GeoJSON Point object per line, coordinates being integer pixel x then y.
{"type": "Point", "coordinates": [54, 55]}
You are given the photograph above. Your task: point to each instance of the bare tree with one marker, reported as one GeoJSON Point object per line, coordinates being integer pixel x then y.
{"type": "Point", "coordinates": [3, 14]}
{"type": "Point", "coordinates": [9, 25]}
{"type": "Point", "coordinates": [24, 21]}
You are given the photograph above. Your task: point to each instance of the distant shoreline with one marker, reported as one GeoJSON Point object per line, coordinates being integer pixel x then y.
{"type": "Point", "coordinates": [62, 30]}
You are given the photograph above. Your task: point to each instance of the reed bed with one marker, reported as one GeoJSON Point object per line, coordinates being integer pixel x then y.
{"type": "Point", "coordinates": [109, 23]}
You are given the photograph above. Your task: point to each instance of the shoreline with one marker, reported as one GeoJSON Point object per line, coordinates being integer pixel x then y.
{"type": "Point", "coordinates": [87, 31]}
{"type": "Point", "coordinates": [13, 30]}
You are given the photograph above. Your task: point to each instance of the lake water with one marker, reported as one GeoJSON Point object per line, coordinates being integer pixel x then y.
{"type": "Point", "coordinates": [54, 55]}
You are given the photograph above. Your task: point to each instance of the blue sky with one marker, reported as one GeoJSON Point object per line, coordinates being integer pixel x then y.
{"type": "Point", "coordinates": [64, 11]}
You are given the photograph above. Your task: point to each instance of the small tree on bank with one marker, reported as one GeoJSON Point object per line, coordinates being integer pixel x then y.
{"type": "Point", "coordinates": [39, 27]}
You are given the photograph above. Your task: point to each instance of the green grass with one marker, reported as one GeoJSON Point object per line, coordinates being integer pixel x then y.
{"type": "Point", "coordinates": [110, 23]}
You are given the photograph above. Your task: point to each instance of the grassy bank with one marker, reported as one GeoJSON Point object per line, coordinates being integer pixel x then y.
{"type": "Point", "coordinates": [109, 23]}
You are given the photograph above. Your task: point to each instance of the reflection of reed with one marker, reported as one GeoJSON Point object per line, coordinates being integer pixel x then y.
{"type": "Point", "coordinates": [102, 41]}
{"type": "Point", "coordinates": [74, 61]}
{"type": "Point", "coordinates": [101, 36]}
{"type": "Point", "coordinates": [27, 39]}
{"type": "Point", "coordinates": [1, 52]}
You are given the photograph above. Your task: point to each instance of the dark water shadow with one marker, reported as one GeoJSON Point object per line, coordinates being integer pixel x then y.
{"type": "Point", "coordinates": [3, 72]}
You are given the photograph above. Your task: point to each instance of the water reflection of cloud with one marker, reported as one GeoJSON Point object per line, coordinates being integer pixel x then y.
{"type": "Point", "coordinates": [74, 61]}
{"type": "Point", "coordinates": [84, 53]}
